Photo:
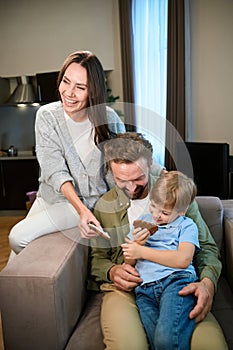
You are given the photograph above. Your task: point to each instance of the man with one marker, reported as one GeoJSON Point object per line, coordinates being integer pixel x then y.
{"type": "Point", "coordinates": [129, 157]}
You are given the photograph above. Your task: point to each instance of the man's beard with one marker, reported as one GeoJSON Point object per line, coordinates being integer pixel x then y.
{"type": "Point", "coordinates": [139, 193]}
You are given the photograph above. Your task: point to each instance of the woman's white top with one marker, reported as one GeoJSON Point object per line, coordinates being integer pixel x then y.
{"type": "Point", "coordinates": [82, 136]}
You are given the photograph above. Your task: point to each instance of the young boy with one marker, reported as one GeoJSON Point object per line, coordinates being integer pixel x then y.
{"type": "Point", "coordinates": [164, 262]}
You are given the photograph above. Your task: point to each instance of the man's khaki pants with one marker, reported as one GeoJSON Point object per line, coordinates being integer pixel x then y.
{"type": "Point", "coordinates": [123, 330]}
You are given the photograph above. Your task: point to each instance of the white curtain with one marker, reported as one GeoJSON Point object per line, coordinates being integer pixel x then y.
{"type": "Point", "coordinates": [149, 20]}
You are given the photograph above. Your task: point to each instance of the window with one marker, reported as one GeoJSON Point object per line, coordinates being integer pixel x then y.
{"type": "Point", "coordinates": [149, 22]}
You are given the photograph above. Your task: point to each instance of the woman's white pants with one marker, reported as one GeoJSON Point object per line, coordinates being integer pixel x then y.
{"type": "Point", "coordinates": [43, 218]}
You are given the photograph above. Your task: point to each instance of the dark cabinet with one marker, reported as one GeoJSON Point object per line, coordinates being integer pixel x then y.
{"type": "Point", "coordinates": [209, 162]}
{"type": "Point", "coordinates": [47, 87]}
{"type": "Point", "coordinates": [18, 176]}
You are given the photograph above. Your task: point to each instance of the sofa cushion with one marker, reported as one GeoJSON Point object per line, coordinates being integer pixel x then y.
{"type": "Point", "coordinates": [88, 334]}
{"type": "Point", "coordinates": [223, 309]}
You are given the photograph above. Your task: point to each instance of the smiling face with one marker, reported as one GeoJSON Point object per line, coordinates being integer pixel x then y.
{"type": "Point", "coordinates": [132, 178]}
{"type": "Point", "coordinates": [163, 214]}
{"type": "Point", "coordinates": [73, 89]}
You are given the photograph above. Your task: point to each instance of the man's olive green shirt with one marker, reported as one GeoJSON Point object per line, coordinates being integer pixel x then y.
{"type": "Point", "coordinates": [111, 211]}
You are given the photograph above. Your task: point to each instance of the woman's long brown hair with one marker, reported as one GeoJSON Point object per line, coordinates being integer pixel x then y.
{"type": "Point", "coordinates": [97, 91]}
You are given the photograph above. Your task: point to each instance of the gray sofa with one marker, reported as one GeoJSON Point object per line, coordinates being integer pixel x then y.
{"type": "Point", "coordinates": [44, 303]}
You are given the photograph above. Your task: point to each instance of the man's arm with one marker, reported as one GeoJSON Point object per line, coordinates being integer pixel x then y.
{"type": "Point", "coordinates": [106, 267]}
{"type": "Point", "coordinates": [207, 260]}
{"type": "Point", "coordinates": [208, 267]}
{"type": "Point", "coordinates": [104, 254]}
{"type": "Point", "coordinates": [107, 264]}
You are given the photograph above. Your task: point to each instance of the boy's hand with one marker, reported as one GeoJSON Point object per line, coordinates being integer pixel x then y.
{"type": "Point", "coordinates": [141, 235]}
{"type": "Point", "coordinates": [131, 249]}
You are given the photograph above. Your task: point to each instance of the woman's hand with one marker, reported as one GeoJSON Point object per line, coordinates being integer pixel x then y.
{"type": "Point", "coordinates": [84, 213]}
{"type": "Point", "coordinates": [86, 217]}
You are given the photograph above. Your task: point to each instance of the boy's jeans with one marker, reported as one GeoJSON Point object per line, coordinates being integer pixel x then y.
{"type": "Point", "coordinates": [165, 314]}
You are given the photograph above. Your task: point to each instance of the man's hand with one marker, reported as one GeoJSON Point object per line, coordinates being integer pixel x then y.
{"type": "Point", "coordinates": [204, 292]}
{"type": "Point", "coordinates": [124, 277]}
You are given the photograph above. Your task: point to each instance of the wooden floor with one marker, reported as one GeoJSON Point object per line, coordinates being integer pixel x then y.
{"type": "Point", "coordinates": [6, 223]}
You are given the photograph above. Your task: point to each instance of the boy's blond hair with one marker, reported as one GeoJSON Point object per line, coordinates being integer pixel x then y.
{"type": "Point", "coordinates": [175, 190]}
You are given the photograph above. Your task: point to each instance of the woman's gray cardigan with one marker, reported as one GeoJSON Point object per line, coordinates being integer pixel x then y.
{"type": "Point", "coordinates": [59, 161]}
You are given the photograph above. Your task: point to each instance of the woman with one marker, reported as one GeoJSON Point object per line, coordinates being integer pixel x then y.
{"type": "Point", "coordinates": [68, 135]}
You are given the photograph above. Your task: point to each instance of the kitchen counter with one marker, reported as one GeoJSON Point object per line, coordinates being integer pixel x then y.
{"type": "Point", "coordinates": [17, 158]}
{"type": "Point", "coordinates": [22, 155]}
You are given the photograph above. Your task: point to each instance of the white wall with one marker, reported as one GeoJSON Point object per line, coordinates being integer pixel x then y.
{"type": "Point", "coordinates": [212, 70]}
{"type": "Point", "coordinates": [115, 77]}
{"type": "Point", "coordinates": [36, 36]}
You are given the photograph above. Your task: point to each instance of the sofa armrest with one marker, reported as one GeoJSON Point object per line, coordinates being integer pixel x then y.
{"type": "Point", "coordinates": [211, 209]}
{"type": "Point", "coordinates": [228, 228]}
{"type": "Point", "coordinates": [42, 292]}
